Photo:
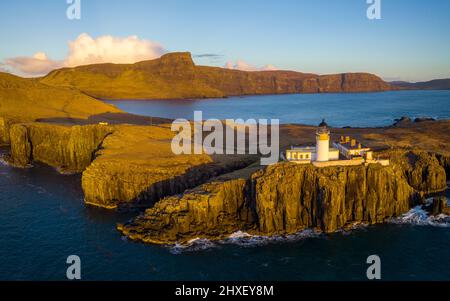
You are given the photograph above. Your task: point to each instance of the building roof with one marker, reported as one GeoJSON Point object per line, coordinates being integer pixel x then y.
{"type": "Point", "coordinates": [348, 145]}
{"type": "Point", "coordinates": [303, 148]}
{"type": "Point", "coordinates": [323, 123]}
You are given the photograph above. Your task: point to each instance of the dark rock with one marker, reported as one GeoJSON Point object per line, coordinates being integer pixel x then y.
{"type": "Point", "coordinates": [403, 121]}
{"type": "Point", "coordinates": [423, 119]}
{"type": "Point", "coordinates": [439, 206]}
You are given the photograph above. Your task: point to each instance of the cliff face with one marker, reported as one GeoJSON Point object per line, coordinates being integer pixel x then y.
{"type": "Point", "coordinates": [71, 149]}
{"type": "Point", "coordinates": [212, 210]}
{"type": "Point", "coordinates": [287, 198]}
{"type": "Point", "coordinates": [122, 165]}
{"type": "Point", "coordinates": [119, 185]}
{"type": "Point", "coordinates": [175, 75]}
{"type": "Point", "coordinates": [20, 146]}
{"type": "Point", "coordinates": [425, 172]}
{"type": "Point", "coordinates": [5, 125]}
{"type": "Point", "coordinates": [136, 167]}
{"type": "Point", "coordinates": [444, 161]}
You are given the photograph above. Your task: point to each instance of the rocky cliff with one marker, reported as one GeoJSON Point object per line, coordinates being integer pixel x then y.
{"type": "Point", "coordinates": [212, 210]}
{"type": "Point", "coordinates": [70, 149]}
{"type": "Point", "coordinates": [287, 198]}
{"type": "Point", "coordinates": [136, 167]}
{"type": "Point", "coordinates": [175, 75]}
{"type": "Point", "coordinates": [122, 165]}
{"type": "Point", "coordinates": [425, 172]}
{"type": "Point", "coordinates": [5, 125]}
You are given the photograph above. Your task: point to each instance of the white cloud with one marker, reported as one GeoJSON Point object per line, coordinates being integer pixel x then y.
{"type": "Point", "coordinates": [36, 65]}
{"type": "Point", "coordinates": [87, 50]}
{"type": "Point", "coordinates": [244, 66]}
{"type": "Point", "coordinates": [108, 49]}
{"type": "Point", "coordinates": [3, 68]}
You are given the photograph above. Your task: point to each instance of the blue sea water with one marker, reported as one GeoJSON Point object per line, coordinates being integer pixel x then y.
{"type": "Point", "coordinates": [43, 219]}
{"type": "Point", "coordinates": [344, 109]}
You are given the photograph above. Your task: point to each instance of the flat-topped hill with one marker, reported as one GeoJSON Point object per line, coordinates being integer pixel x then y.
{"type": "Point", "coordinates": [175, 76]}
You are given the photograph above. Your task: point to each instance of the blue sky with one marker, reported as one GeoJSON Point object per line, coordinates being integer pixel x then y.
{"type": "Point", "coordinates": [410, 42]}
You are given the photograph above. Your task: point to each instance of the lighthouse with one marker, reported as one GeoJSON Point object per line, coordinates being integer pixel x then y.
{"type": "Point", "coordinates": [323, 142]}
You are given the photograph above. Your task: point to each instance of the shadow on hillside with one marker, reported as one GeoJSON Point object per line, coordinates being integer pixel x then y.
{"type": "Point", "coordinates": [110, 118]}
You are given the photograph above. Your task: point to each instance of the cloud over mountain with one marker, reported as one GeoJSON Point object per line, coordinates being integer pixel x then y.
{"type": "Point", "coordinates": [36, 65]}
{"type": "Point", "coordinates": [87, 50]}
{"type": "Point", "coordinates": [244, 66]}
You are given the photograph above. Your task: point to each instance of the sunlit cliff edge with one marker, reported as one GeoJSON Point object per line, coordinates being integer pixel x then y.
{"type": "Point", "coordinates": [126, 161]}
{"type": "Point", "coordinates": [175, 76]}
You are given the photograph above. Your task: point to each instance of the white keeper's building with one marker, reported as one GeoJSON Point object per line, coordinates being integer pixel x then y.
{"type": "Point", "coordinates": [345, 152]}
{"type": "Point", "coordinates": [320, 153]}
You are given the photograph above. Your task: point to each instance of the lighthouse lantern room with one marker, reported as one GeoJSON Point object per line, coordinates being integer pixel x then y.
{"type": "Point", "coordinates": [323, 142]}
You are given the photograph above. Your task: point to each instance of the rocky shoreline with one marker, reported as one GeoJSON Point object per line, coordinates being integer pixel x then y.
{"type": "Point", "coordinates": [287, 198]}
{"type": "Point", "coordinates": [201, 196]}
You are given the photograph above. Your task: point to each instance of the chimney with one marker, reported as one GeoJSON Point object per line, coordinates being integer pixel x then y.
{"type": "Point", "coordinates": [353, 144]}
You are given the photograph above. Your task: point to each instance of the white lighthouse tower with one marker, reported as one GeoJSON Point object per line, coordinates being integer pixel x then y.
{"type": "Point", "coordinates": [323, 142]}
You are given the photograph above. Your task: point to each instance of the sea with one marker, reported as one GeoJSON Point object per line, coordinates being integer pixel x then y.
{"type": "Point", "coordinates": [340, 110]}
{"type": "Point", "coordinates": [43, 219]}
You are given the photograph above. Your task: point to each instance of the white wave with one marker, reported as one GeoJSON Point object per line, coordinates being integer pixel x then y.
{"type": "Point", "coordinates": [418, 216]}
{"type": "Point", "coordinates": [3, 161]}
{"type": "Point", "coordinates": [242, 239]}
{"type": "Point", "coordinates": [196, 244]}
{"type": "Point", "coordinates": [246, 240]}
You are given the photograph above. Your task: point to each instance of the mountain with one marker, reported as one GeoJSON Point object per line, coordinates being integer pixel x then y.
{"type": "Point", "coordinates": [437, 84]}
{"type": "Point", "coordinates": [27, 100]}
{"type": "Point", "coordinates": [175, 76]}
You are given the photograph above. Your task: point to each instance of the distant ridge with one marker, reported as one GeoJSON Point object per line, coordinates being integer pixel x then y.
{"type": "Point", "coordinates": [437, 84]}
{"type": "Point", "coordinates": [175, 76]}
{"type": "Point", "coordinates": [27, 99]}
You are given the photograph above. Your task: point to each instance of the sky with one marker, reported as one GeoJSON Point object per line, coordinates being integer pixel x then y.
{"type": "Point", "coordinates": [410, 42]}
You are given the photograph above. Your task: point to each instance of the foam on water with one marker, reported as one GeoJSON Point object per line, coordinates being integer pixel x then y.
{"type": "Point", "coordinates": [242, 239]}
{"type": "Point", "coordinates": [196, 244]}
{"type": "Point", "coordinates": [418, 216]}
{"type": "Point", "coordinates": [3, 161]}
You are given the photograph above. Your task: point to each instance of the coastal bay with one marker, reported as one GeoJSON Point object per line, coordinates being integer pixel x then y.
{"type": "Point", "coordinates": [124, 161]}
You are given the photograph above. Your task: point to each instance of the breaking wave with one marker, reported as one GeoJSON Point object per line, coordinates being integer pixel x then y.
{"type": "Point", "coordinates": [3, 161]}
{"type": "Point", "coordinates": [416, 216]}
{"type": "Point", "coordinates": [420, 217]}
{"type": "Point", "coordinates": [196, 244]}
{"type": "Point", "coordinates": [242, 239]}
{"type": "Point", "coordinates": [247, 240]}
